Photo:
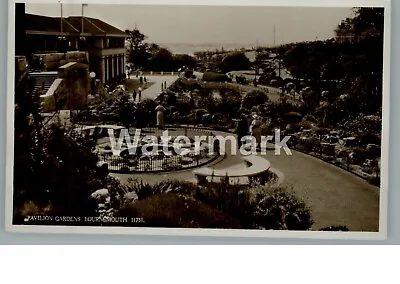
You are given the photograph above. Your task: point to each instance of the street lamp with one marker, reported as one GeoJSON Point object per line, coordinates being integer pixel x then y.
{"type": "Point", "coordinates": [92, 75]}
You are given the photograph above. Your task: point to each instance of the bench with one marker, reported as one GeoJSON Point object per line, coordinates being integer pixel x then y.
{"type": "Point", "coordinates": [256, 167]}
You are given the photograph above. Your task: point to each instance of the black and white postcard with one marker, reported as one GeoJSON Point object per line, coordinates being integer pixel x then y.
{"type": "Point", "coordinates": [266, 119]}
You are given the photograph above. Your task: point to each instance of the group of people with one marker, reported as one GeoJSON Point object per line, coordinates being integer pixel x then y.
{"type": "Point", "coordinates": [164, 86]}
{"type": "Point", "coordinates": [142, 79]}
{"type": "Point", "coordinates": [138, 93]}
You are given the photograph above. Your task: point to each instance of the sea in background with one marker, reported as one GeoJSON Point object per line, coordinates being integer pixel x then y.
{"type": "Point", "coordinates": [186, 48]}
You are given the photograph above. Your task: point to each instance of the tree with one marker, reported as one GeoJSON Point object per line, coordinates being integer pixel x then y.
{"type": "Point", "coordinates": [181, 60]}
{"type": "Point", "coordinates": [136, 39]}
{"type": "Point", "coordinates": [138, 54]}
{"type": "Point", "coordinates": [162, 60]}
{"type": "Point", "coordinates": [236, 61]}
{"type": "Point", "coordinates": [254, 98]}
{"type": "Point", "coordinates": [368, 22]}
{"type": "Point", "coordinates": [153, 48]}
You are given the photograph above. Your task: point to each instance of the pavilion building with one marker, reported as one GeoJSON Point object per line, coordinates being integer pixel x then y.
{"type": "Point", "coordinates": [103, 43]}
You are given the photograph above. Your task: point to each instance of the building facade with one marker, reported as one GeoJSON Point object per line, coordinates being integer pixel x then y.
{"type": "Point", "coordinates": [104, 43]}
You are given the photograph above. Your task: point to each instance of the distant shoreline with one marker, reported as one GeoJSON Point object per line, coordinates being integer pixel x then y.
{"type": "Point", "coordinates": [186, 48]}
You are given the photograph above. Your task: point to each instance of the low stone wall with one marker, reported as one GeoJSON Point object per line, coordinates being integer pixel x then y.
{"type": "Point", "coordinates": [48, 102]}
{"type": "Point", "coordinates": [53, 61]}
{"type": "Point", "coordinates": [70, 91]}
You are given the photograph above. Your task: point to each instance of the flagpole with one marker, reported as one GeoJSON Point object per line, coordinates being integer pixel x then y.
{"type": "Point", "coordinates": [61, 19]}
{"type": "Point", "coordinates": [82, 19]}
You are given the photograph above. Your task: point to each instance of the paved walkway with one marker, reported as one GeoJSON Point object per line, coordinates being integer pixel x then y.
{"type": "Point", "coordinates": [336, 197]}
{"type": "Point", "coordinates": [154, 90]}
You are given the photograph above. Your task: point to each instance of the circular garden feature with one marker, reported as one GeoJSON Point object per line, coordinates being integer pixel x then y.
{"type": "Point", "coordinates": [153, 152]}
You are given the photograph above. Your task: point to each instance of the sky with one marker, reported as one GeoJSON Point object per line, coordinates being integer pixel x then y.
{"type": "Point", "coordinates": [211, 24]}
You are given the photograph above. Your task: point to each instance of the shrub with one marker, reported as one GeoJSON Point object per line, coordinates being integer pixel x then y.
{"type": "Point", "coordinates": [292, 128]}
{"type": "Point", "coordinates": [293, 117]}
{"type": "Point", "coordinates": [174, 210]}
{"type": "Point", "coordinates": [171, 99]}
{"type": "Point", "coordinates": [278, 209]}
{"type": "Point", "coordinates": [375, 180]}
{"type": "Point", "coordinates": [360, 154]}
{"type": "Point", "coordinates": [183, 107]}
{"type": "Point", "coordinates": [222, 205]}
{"type": "Point", "coordinates": [268, 177]}
{"type": "Point", "coordinates": [215, 77]}
{"type": "Point", "coordinates": [264, 80]}
{"type": "Point", "coordinates": [368, 138]}
{"type": "Point", "coordinates": [125, 170]}
{"type": "Point", "coordinates": [144, 190]}
{"type": "Point", "coordinates": [254, 98]}
{"type": "Point", "coordinates": [310, 118]}
{"type": "Point", "coordinates": [188, 73]}
{"type": "Point", "coordinates": [258, 207]}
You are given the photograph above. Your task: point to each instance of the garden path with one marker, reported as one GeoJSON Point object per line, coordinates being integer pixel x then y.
{"type": "Point", "coordinates": [154, 90]}
{"type": "Point", "coordinates": [335, 196]}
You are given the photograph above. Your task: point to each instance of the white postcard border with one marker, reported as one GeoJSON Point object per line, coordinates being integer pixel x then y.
{"type": "Point", "coordinates": [383, 211]}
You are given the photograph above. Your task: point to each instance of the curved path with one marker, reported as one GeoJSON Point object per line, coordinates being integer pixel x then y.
{"type": "Point", "coordinates": [335, 196]}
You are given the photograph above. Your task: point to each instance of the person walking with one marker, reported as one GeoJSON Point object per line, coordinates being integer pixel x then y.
{"type": "Point", "coordinates": [255, 129]}
{"type": "Point", "coordinates": [140, 94]}
{"type": "Point", "coordinates": [165, 85]}
{"type": "Point", "coordinates": [160, 115]}
{"type": "Point", "coordinates": [134, 96]}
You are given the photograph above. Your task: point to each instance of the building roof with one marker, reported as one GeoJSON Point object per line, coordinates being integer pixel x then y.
{"type": "Point", "coordinates": [71, 25]}
{"type": "Point", "coordinates": [47, 24]}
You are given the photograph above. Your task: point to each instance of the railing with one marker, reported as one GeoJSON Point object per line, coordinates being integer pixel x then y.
{"type": "Point", "coordinates": [151, 164]}
{"type": "Point", "coordinates": [159, 73]}
{"type": "Point", "coordinates": [349, 164]}
{"type": "Point", "coordinates": [161, 162]}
